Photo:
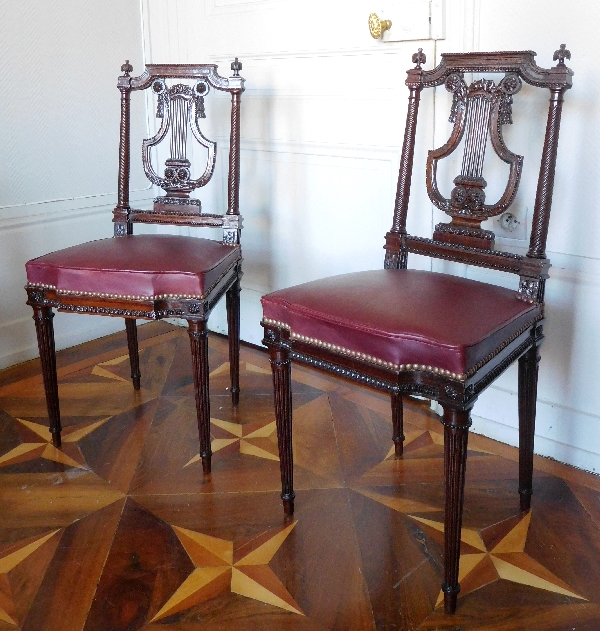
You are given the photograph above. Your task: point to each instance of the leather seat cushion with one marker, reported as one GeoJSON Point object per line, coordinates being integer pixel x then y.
{"type": "Point", "coordinates": [140, 265]}
{"type": "Point", "coordinates": [405, 316]}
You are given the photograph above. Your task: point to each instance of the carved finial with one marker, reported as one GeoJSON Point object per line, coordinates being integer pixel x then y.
{"type": "Point", "coordinates": [236, 66]}
{"type": "Point", "coordinates": [561, 54]}
{"type": "Point", "coordinates": [419, 58]}
{"type": "Point", "coordinates": [127, 68]}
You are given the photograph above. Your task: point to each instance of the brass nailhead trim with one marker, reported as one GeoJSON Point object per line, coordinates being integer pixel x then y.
{"type": "Point", "coordinates": [403, 367]}
{"type": "Point", "coordinates": [362, 356]}
{"type": "Point", "coordinates": [90, 294]}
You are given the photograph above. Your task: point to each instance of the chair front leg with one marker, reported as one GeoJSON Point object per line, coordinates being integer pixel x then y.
{"type": "Point", "coordinates": [233, 331]}
{"type": "Point", "coordinates": [281, 366]}
{"type": "Point", "coordinates": [134, 356]}
{"type": "Point", "coordinates": [456, 434]}
{"type": "Point", "coordinates": [198, 332]}
{"type": "Point", "coordinates": [528, 379]}
{"type": "Point", "coordinates": [45, 336]}
{"type": "Point", "coordinates": [398, 423]}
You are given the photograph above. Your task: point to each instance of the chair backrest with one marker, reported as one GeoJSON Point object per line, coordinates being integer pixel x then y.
{"type": "Point", "coordinates": [478, 112]}
{"type": "Point", "coordinates": [180, 106]}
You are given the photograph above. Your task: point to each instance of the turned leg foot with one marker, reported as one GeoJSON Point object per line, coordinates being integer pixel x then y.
{"type": "Point", "coordinates": [456, 434]}
{"type": "Point", "coordinates": [528, 378]}
{"type": "Point", "coordinates": [398, 423]}
{"type": "Point", "coordinates": [45, 337]}
{"type": "Point", "coordinates": [281, 367]}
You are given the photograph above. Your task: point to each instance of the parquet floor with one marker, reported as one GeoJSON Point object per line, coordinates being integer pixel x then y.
{"type": "Point", "coordinates": [118, 530]}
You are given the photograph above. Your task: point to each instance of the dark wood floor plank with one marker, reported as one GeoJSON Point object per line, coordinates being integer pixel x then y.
{"type": "Point", "coordinates": [64, 598]}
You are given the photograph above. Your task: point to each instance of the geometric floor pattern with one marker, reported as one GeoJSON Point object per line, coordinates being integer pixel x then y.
{"type": "Point", "coordinates": [119, 530]}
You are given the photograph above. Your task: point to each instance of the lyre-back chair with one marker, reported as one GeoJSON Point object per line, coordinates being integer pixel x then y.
{"type": "Point", "coordinates": [154, 276]}
{"type": "Point", "coordinates": [443, 337]}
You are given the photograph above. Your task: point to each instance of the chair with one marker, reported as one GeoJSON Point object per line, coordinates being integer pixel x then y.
{"type": "Point", "coordinates": [154, 276]}
{"type": "Point", "coordinates": [443, 337]}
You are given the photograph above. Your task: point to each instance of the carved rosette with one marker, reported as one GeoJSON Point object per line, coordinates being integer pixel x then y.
{"type": "Point", "coordinates": [180, 107]}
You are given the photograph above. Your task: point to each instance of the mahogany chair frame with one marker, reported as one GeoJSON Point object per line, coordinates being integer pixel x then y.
{"type": "Point", "coordinates": [460, 241]}
{"type": "Point", "coordinates": [180, 212]}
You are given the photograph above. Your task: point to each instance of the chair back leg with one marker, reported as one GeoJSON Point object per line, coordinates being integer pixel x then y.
{"type": "Point", "coordinates": [134, 356]}
{"type": "Point", "coordinates": [45, 336]}
{"type": "Point", "coordinates": [528, 378]}
{"type": "Point", "coordinates": [198, 333]}
{"type": "Point", "coordinates": [456, 434]}
{"type": "Point", "coordinates": [233, 333]}
{"type": "Point", "coordinates": [398, 423]}
{"type": "Point", "coordinates": [281, 366]}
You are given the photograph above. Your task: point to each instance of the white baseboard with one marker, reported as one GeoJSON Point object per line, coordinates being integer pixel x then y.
{"type": "Point", "coordinates": [561, 433]}
{"type": "Point", "coordinates": [69, 330]}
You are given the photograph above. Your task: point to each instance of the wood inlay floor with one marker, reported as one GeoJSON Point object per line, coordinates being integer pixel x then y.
{"type": "Point", "coordinates": [119, 530]}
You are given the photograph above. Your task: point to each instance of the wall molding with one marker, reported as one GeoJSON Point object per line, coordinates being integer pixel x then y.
{"type": "Point", "coordinates": [573, 455]}
{"type": "Point", "coordinates": [65, 337]}
{"type": "Point", "coordinates": [52, 210]}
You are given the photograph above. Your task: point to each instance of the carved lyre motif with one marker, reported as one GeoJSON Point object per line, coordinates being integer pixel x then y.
{"type": "Point", "coordinates": [179, 106]}
{"type": "Point", "coordinates": [478, 112]}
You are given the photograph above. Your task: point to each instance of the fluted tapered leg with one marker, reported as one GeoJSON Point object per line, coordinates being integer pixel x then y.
{"type": "Point", "coordinates": [45, 336]}
{"type": "Point", "coordinates": [398, 423]}
{"type": "Point", "coordinates": [134, 356]}
{"type": "Point", "coordinates": [282, 374]}
{"type": "Point", "coordinates": [233, 331]}
{"type": "Point", "coordinates": [528, 378]}
{"type": "Point", "coordinates": [198, 333]}
{"type": "Point", "coordinates": [456, 434]}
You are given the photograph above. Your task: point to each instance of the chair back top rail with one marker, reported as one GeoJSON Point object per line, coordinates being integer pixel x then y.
{"type": "Point", "coordinates": [209, 72]}
{"type": "Point", "coordinates": [519, 62]}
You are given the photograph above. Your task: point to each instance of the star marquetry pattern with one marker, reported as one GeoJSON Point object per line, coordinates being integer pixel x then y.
{"type": "Point", "coordinates": [38, 441]}
{"type": "Point", "coordinates": [100, 371]}
{"type": "Point", "coordinates": [69, 454]}
{"type": "Point", "coordinates": [224, 566]}
{"type": "Point", "coordinates": [501, 556]}
{"type": "Point", "coordinates": [418, 442]}
{"type": "Point", "coordinates": [253, 439]}
{"type": "Point", "coordinates": [10, 580]}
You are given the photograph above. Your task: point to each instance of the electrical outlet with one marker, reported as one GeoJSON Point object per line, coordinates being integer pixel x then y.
{"type": "Point", "coordinates": [512, 225]}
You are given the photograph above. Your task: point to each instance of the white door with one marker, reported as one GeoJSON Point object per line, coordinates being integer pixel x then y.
{"type": "Point", "coordinates": [322, 126]}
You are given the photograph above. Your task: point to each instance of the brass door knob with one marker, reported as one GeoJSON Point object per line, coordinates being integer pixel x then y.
{"type": "Point", "coordinates": [377, 26]}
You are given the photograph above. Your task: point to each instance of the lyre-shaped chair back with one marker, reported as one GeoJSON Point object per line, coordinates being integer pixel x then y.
{"type": "Point", "coordinates": [181, 108]}
{"type": "Point", "coordinates": [478, 113]}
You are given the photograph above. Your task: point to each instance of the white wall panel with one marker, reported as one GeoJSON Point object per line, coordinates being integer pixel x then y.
{"type": "Point", "coordinates": [568, 421]}
{"type": "Point", "coordinates": [59, 64]}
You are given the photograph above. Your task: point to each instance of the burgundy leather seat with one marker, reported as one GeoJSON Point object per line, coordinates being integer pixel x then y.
{"type": "Point", "coordinates": [137, 265]}
{"type": "Point", "coordinates": [404, 318]}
